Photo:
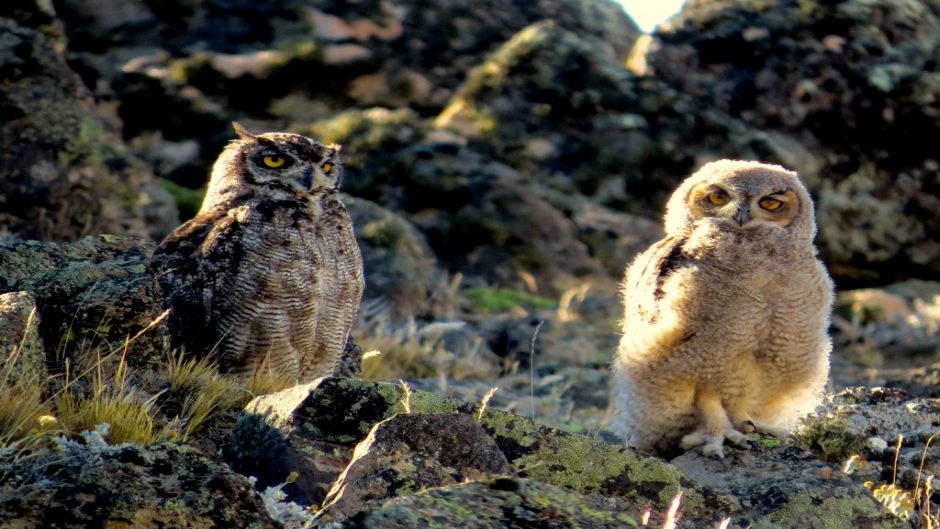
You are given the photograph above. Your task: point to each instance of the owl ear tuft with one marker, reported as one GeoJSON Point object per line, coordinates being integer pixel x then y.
{"type": "Point", "coordinates": [333, 153]}
{"type": "Point", "coordinates": [242, 131]}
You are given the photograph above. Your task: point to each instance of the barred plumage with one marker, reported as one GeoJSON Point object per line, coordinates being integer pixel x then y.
{"type": "Point", "coordinates": [726, 318]}
{"type": "Point", "coordinates": [268, 275]}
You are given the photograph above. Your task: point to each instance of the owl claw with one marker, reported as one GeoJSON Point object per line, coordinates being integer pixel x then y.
{"type": "Point", "coordinates": [713, 445]}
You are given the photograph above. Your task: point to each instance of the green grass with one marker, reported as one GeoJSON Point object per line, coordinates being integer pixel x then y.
{"type": "Point", "coordinates": [495, 300]}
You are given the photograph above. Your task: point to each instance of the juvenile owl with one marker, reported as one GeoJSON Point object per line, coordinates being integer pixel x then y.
{"type": "Point", "coordinates": [268, 275]}
{"type": "Point", "coordinates": [725, 318]}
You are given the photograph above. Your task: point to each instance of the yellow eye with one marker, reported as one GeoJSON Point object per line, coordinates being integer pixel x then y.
{"type": "Point", "coordinates": [327, 167]}
{"type": "Point", "coordinates": [274, 161]}
{"type": "Point", "coordinates": [770, 204]}
{"type": "Point", "coordinates": [718, 198]}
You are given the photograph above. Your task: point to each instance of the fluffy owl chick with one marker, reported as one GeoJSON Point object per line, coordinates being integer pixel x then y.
{"type": "Point", "coordinates": [725, 318]}
{"type": "Point", "coordinates": [268, 275]}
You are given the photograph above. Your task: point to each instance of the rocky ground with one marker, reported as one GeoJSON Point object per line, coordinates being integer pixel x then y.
{"type": "Point", "coordinates": [504, 162]}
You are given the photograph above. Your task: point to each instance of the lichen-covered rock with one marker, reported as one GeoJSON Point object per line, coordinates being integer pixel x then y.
{"type": "Point", "coordinates": [856, 82]}
{"type": "Point", "coordinates": [185, 69]}
{"type": "Point", "coordinates": [866, 422]}
{"type": "Point", "coordinates": [39, 15]}
{"type": "Point", "coordinates": [400, 267]}
{"type": "Point", "coordinates": [63, 171]}
{"type": "Point", "coordinates": [502, 502]}
{"type": "Point", "coordinates": [21, 350]}
{"type": "Point", "coordinates": [551, 105]}
{"type": "Point", "coordinates": [337, 412]}
{"type": "Point", "coordinates": [411, 452]}
{"type": "Point", "coordinates": [779, 485]}
{"type": "Point", "coordinates": [92, 296]}
{"type": "Point", "coordinates": [154, 486]}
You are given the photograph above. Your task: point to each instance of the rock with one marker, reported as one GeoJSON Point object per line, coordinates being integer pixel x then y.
{"type": "Point", "coordinates": [186, 69]}
{"type": "Point", "coordinates": [502, 502]}
{"type": "Point", "coordinates": [96, 485]}
{"type": "Point", "coordinates": [22, 354]}
{"type": "Point", "coordinates": [332, 413]}
{"type": "Point", "coordinates": [777, 485]}
{"type": "Point", "coordinates": [853, 81]}
{"type": "Point", "coordinates": [93, 295]}
{"type": "Point", "coordinates": [411, 452]}
{"type": "Point", "coordinates": [849, 418]}
{"type": "Point", "coordinates": [551, 105]}
{"type": "Point", "coordinates": [901, 321]}
{"type": "Point", "coordinates": [39, 15]}
{"type": "Point", "coordinates": [784, 486]}
{"type": "Point", "coordinates": [485, 220]}
{"type": "Point", "coordinates": [64, 173]}
{"type": "Point", "coordinates": [401, 270]}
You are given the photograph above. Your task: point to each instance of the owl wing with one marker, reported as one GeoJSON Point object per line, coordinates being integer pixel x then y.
{"type": "Point", "coordinates": [643, 285]}
{"type": "Point", "coordinates": [191, 262]}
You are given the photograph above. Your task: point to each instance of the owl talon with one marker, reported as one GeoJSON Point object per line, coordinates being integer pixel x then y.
{"type": "Point", "coordinates": [746, 426]}
{"type": "Point", "coordinates": [714, 448]}
{"type": "Point", "coordinates": [713, 445]}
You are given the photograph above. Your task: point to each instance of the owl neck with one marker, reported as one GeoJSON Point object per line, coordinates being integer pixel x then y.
{"type": "Point", "coordinates": [713, 241]}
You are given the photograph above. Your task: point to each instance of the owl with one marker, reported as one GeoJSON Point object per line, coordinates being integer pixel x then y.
{"type": "Point", "coordinates": [726, 318]}
{"type": "Point", "coordinates": [267, 277]}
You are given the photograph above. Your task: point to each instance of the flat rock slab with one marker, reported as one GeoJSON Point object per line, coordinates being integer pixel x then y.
{"type": "Point", "coordinates": [781, 485]}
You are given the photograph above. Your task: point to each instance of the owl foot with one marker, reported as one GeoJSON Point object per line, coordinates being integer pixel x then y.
{"type": "Point", "coordinates": [713, 444]}
{"type": "Point", "coordinates": [750, 425]}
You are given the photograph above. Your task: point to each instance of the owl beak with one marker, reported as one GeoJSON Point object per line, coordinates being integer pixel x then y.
{"type": "Point", "coordinates": [307, 179]}
{"type": "Point", "coordinates": [742, 215]}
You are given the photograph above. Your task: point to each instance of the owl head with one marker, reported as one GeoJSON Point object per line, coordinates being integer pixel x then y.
{"type": "Point", "coordinates": [276, 164]}
{"type": "Point", "coordinates": [741, 195]}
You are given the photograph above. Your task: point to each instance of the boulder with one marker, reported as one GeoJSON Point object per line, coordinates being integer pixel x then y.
{"type": "Point", "coordinates": [400, 268]}
{"type": "Point", "coordinates": [857, 83]}
{"type": "Point", "coordinates": [556, 108]}
{"type": "Point", "coordinates": [334, 413]}
{"type": "Point", "coordinates": [94, 297]}
{"type": "Point", "coordinates": [777, 484]}
{"type": "Point", "coordinates": [411, 452]}
{"type": "Point", "coordinates": [64, 172]}
{"type": "Point", "coordinates": [867, 423]}
{"type": "Point", "coordinates": [781, 485]}
{"type": "Point", "coordinates": [164, 485]}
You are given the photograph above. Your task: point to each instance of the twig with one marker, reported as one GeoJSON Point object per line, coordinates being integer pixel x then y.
{"type": "Point", "coordinates": [532, 370]}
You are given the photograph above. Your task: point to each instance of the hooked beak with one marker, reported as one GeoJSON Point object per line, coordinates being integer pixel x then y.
{"type": "Point", "coordinates": [743, 214]}
{"type": "Point", "coordinates": [307, 179]}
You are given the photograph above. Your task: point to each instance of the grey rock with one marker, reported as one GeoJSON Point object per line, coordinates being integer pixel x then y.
{"type": "Point", "coordinates": [64, 173]}
{"type": "Point", "coordinates": [92, 295]}
{"type": "Point", "coordinates": [159, 485]}
{"type": "Point", "coordinates": [502, 502]}
{"type": "Point", "coordinates": [411, 452]}
{"type": "Point", "coordinates": [856, 83]}
{"type": "Point", "coordinates": [401, 269]}
{"type": "Point", "coordinates": [22, 354]}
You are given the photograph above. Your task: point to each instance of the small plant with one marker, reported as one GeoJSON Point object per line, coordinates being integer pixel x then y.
{"type": "Point", "coordinates": [406, 396]}
{"type": "Point", "coordinates": [484, 401]}
{"type": "Point", "coordinates": [267, 381]}
{"type": "Point", "coordinates": [411, 350]}
{"type": "Point", "coordinates": [111, 401]}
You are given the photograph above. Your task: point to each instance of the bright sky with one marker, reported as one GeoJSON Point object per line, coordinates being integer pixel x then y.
{"type": "Point", "coordinates": [649, 13]}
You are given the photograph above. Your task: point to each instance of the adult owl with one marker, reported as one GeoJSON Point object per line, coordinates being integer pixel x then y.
{"type": "Point", "coordinates": [267, 277]}
{"type": "Point", "coordinates": [725, 318]}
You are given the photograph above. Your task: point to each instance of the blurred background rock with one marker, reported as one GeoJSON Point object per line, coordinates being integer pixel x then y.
{"type": "Point", "coordinates": [504, 160]}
